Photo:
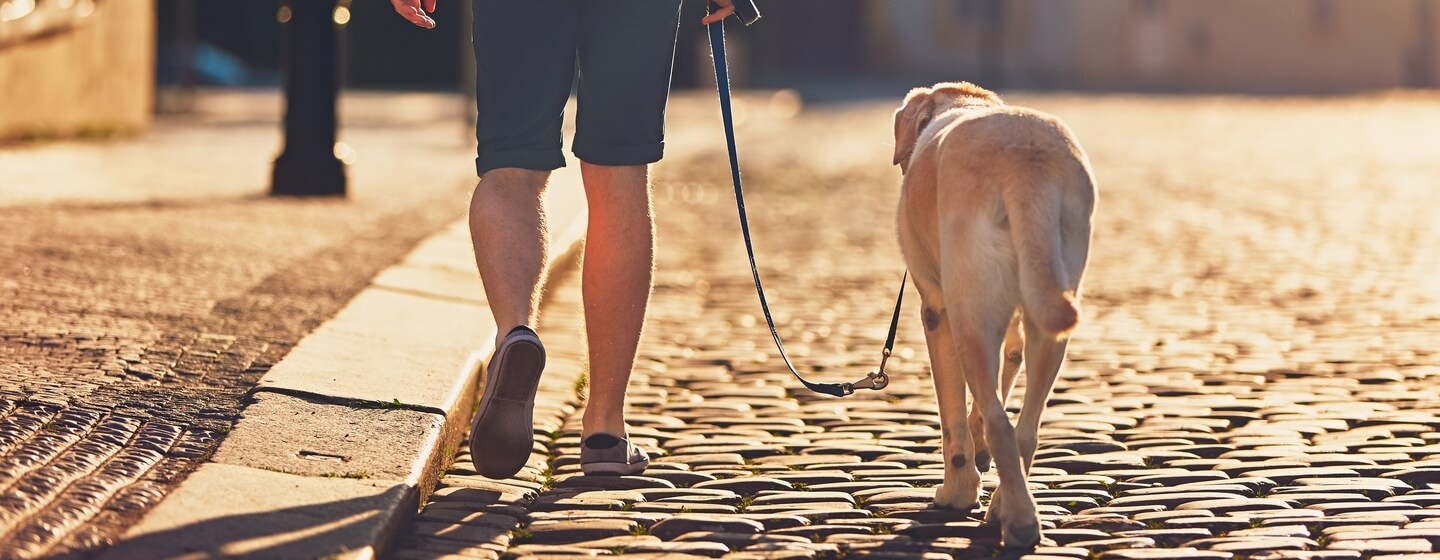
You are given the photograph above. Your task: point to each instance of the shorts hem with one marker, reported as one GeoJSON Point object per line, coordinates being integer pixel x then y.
{"type": "Point", "coordinates": [635, 154]}
{"type": "Point", "coordinates": [536, 160]}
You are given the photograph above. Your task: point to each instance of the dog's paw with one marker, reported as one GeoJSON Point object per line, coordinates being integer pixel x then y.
{"type": "Point", "coordinates": [1025, 534]}
{"type": "Point", "coordinates": [954, 496]}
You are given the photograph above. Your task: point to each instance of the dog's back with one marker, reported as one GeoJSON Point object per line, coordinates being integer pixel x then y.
{"type": "Point", "coordinates": [1015, 189]}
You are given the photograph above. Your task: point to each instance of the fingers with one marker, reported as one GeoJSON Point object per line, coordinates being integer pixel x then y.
{"type": "Point", "coordinates": [429, 6]}
{"type": "Point", "coordinates": [410, 10]}
{"type": "Point", "coordinates": [726, 7]}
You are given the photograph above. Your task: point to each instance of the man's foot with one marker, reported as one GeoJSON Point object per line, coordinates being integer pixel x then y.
{"type": "Point", "coordinates": [607, 455]}
{"type": "Point", "coordinates": [504, 430]}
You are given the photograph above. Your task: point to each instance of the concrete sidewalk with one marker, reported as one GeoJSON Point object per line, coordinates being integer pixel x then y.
{"type": "Point", "coordinates": [343, 438]}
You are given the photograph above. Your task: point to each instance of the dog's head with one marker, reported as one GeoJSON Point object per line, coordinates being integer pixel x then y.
{"type": "Point", "coordinates": [922, 104]}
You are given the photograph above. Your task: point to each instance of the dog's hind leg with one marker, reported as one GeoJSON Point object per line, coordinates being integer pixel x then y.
{"type": "Point", "coordinates": [961, 489]}
{"type": "Point", "coordinates": [1014, 354]}
{"type": "Point", "coordinates": [1043, 355]}
{"type": "Point", "coordinates": [979, 322]}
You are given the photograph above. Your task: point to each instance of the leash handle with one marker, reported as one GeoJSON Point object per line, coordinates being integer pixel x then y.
{"type": "Point", "coordinates": [874, 380]}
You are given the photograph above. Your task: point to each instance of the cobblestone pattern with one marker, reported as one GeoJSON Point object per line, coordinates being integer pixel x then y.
{"type": "Point", "coordinates": [1254, 375]}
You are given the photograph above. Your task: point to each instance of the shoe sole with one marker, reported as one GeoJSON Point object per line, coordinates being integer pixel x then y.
{"type": "Point", "coordinates": [503, 432]}
{"type": "Point", "coordinates": [611, 468]}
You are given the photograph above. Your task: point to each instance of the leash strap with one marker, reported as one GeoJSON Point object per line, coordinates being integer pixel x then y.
{"type": "Point", "coordinates": [874, 380]}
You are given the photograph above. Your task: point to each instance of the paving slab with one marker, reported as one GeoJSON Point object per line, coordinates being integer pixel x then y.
{"type": "Point", "coordinates": [388, 347]}
{"type": "Point", "coordinates": [285, 433]}
{"type": "Point", "coordinates": [235, 511]}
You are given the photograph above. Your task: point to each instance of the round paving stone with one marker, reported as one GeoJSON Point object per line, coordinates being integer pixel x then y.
{"type": "Point", "coordinates": [623, 542]}
{"type": "Point", "coordinates": [1172, 500]}
{"type": "Point", "coordinates": [684, 507]}
{"type": "Point", "coordinates": [881, 496]}
{"type": "Point", "coordinates": [1308, 555]}
{"type": "Point", "coordinates": [697, 460]}
{"type": "Point", "coordinates": [679, 478]}
{"type": "Point", "coordinates": [773, 521]}
{"type": "Point", "coordinates": [1113, 543]}
{"type": "Point", "coordinates": [578, 530]}
{"type": "Point", "coordinates": [974, 530]}
{"type": "Point", "coordinates": [1213, 524]}
{"type": "Point", "coordinates": [580, 481]}
{"type": "Point", "coordinates": [1431, 535]}
{"type": "Point", "coordinates": [794, 507]}
{"type": "Point", "coordinates": [684, 523]}
{"type": "Point", "coordinates": [1251, 545]}
{"type": "Point", "coordinates": [1231, 505]}
{"type": "Point", "coordinates": [811, 478]}
{"type": "Point", "coordinates": [656, 494]}
{"type": "Point", "coordinates": [746, 486]}
{"type": "Point", "coordinates": [644, 519]}
{"type": "Point", "coordinates": [830, 515]}
{"type": "Point", "coordinates": [1106, 523]}
{"type": "Point", "coordinates": [772, 498]}
{"type": "Point", "coordinates": [1384, 546]}
{"type": "Point", "coordinates": [820, 532]}
{"type": "Point", "coordinates": [739, 541]}
{"type": "Point", "coordinates": [1167, 537]}
{"type": "Point", "coordinates": [1063, 536]}
{"type": "Point", "coordinates": [1186, 553]}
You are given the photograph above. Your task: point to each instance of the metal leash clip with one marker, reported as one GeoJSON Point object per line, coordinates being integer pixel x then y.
{"type": "Point", "coordinates": [875, 380]}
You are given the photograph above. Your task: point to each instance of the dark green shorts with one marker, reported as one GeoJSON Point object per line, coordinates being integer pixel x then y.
{"type": "Point", "coordinates": [527, 53]}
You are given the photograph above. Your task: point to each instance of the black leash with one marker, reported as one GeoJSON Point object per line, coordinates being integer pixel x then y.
{"type": "Point", "coordinates": [874, 380]}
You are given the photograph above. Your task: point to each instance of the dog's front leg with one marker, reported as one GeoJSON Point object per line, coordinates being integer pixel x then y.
{"type": "Point", "coordinates": [961, 489]}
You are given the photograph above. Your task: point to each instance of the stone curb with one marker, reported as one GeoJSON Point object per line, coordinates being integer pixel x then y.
{"type": "Point", "coordinates": [346, 436]}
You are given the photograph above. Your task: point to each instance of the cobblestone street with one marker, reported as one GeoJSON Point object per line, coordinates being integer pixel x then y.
{"type": "Point", "coordinates": [1255, 373]}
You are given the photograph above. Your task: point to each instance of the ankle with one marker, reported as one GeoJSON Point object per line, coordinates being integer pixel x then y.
{"type": "Point", "coordinates": [613, 426]}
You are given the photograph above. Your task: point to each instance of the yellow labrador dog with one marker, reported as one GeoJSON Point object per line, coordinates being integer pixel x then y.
{"type": "Point", "coordinates": [994, 222]}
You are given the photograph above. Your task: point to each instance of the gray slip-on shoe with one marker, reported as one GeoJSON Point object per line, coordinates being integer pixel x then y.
{"type": "Point", "coordinates": [607, 455]}
{"type": "Point", "coordinates": [503, 433]}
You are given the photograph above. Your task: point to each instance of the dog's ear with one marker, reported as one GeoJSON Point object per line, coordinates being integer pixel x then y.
{"type": "Point", "coordinates": [910, 119]}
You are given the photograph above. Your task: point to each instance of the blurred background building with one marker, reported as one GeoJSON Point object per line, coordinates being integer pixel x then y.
{"type": "Point", "coordinates": [78, 67]}
{"type": "Point", "coordinates": [1275, 46]}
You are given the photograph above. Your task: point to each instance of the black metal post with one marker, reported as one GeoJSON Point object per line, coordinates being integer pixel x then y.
{"type": "Point", "coordinates": [308, 165]}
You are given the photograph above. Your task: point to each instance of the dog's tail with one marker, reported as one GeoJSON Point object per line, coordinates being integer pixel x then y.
{"type": "Point", "coordinates": [1045, 293]}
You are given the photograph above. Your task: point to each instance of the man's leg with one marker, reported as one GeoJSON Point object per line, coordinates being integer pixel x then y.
{"type": "Point", "coordinates": [617, 277]}
{"type": "Point", "coordinates": [507, 226]}
{"type": "Point", "coordinates": [524, 69]}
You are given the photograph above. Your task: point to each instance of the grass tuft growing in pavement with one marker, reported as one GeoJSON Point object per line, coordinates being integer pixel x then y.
{"type": "Point", "coordinates": [639, 531]}
{"type": "Point", "coordinates": [357, 475]}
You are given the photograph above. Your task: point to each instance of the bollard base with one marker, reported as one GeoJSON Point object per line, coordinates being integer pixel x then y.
{"type": "Point", "coordinates": [316, 175]}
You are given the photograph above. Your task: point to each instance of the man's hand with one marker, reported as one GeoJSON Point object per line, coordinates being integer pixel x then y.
{"type": "Point", "coordinates": [726, 7]}
{"type": "Point", "coordinates": [415, 10]}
